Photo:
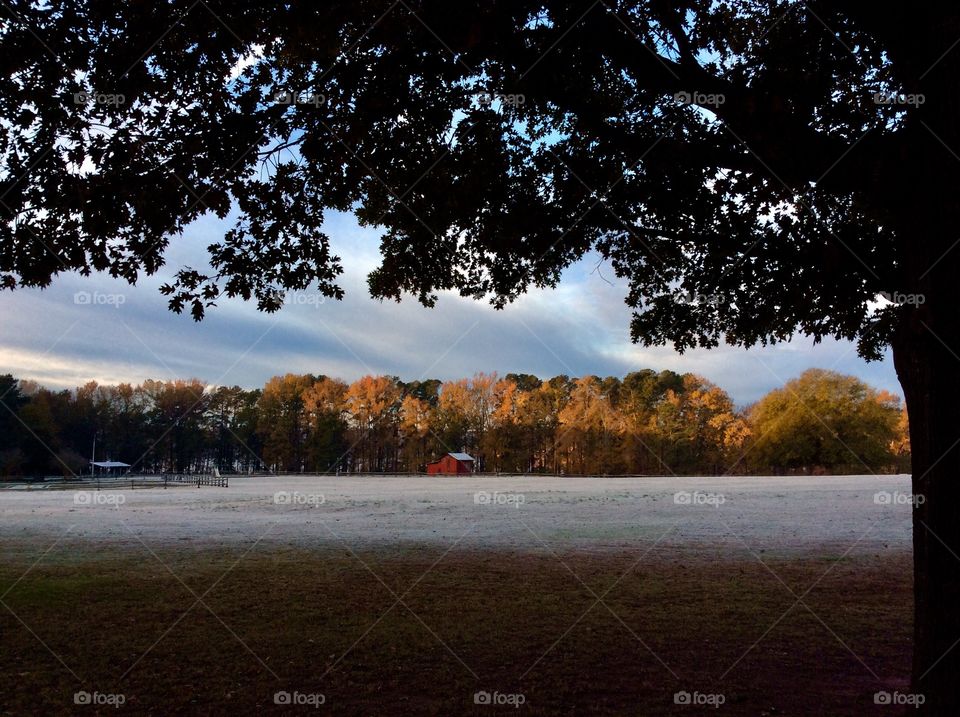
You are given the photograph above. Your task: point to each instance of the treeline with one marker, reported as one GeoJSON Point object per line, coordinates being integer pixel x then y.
{"type": "Point", "coordinates": [644, 423]}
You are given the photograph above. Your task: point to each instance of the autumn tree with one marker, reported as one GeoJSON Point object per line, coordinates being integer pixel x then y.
{"type": "Point", "coordinates": [640, 393]}
{"type": "Point", "coordinates": [900, 446]}
{"type": "Point", "coordinates": [373, 404]}
{"type": "Point", "coordinates": [588, 428]}
{"type": "Point", "coordinates": [325, 406]}
{"type": "Point", "coordinates": [283, 422]}
{"type": "Point", "coordinates": [538, 418]}
{"type": "Point", "coordinates": [454, 415]}
{"type": "Point", "coordinates": [482, 405]}
{"type": "Point", "coordinates": [503, 444]}
{"type": "Point", "coordinates": [693, 425]}
{"type": "Point", "coordinates": [416, 420]}
{"type": "Point", "coordinates": [824, 420]}
{"type": "Point", "coordinates": [716, 432]}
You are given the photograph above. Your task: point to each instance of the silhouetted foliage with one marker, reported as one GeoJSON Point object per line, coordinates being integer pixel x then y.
{"type": "Point", "coordinates": [753, 168]}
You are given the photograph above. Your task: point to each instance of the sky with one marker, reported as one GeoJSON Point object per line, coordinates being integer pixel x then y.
{"type": "Point", "coordinates": [102, 329]}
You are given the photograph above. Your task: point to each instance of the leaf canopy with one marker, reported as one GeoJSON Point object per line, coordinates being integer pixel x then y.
{"type": "Point", "coordinates": [735, 161]}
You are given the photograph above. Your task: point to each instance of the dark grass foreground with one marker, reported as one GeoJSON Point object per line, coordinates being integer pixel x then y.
{"type": "Point", "coordinates": [240, 628]}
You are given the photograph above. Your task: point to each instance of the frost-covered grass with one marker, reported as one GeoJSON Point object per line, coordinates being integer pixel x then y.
{"type": "Point", "coordinates": [497, 581]}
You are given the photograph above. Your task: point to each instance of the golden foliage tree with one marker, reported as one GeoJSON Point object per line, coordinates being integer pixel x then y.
{"type": "Point", "coordinates": [373, 404]}
{"type": "Point", "coordinates": [824, 421]}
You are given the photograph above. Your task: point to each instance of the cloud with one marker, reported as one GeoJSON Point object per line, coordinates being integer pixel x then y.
{"type": "Point", "coordinates": [582, 327]}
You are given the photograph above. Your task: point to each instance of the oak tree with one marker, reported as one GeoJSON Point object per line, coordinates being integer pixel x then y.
{"type": "Point", "coordinates": [754, 168]}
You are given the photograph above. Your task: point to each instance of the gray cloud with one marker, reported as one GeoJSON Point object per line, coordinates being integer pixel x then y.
{"type": "Point", "coordinates": [579, 328]}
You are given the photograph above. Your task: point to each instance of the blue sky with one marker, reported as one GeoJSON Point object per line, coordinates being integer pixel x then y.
{"type": "Point", "coordinates": [582, 327]}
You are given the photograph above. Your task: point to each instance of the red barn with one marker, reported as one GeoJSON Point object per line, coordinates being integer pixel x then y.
{"type": "Point", "coordinates": [451, 464]}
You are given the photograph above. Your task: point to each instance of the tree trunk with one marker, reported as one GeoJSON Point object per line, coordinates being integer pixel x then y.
{"type": "Point", "coordinates": [926, 358]}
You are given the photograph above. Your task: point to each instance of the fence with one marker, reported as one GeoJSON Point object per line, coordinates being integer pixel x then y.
{"type": "Point", "coordinates": [197, 479]}
{"type": "Point", "coordinates": [152, 480]}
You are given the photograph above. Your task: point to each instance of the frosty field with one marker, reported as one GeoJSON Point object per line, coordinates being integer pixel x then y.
{"type": "Point", "coordinates": [414, 595]}
{"type": "Point", "coordinates": [516, 513]}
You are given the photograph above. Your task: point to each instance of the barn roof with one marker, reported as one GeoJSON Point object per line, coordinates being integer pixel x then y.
{"type": "Point", "coordinates": [110, 464]}
{"type": "Point", "coordinates": [461, 456]}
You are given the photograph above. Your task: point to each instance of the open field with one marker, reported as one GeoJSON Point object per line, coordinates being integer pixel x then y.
{"type": "Point", "coordinates": [399, 595]}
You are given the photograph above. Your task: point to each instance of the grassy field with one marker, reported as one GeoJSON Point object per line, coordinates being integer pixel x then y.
{"type": "Point", "coordinates": [207, 629]}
